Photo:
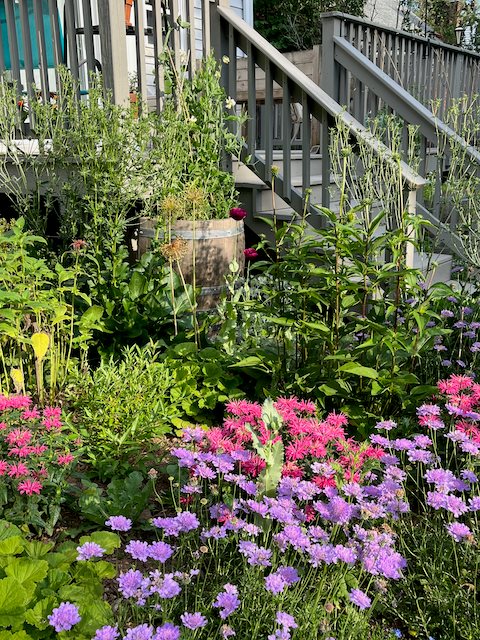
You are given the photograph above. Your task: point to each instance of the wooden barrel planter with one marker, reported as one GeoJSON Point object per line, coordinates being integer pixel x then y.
{"type": "Point", "coordinates": [217, 244]}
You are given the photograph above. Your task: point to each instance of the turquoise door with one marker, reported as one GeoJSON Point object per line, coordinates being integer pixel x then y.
{"type": "Point", "coordinates": [33, 37]}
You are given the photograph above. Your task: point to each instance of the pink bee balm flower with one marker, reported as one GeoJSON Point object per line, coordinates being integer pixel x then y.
{"type": "Point", "coordinates": [18, 470]}
{"type": "Point", "coordinates": [3, 467]}
{"type": "Point", "coordinates": [65, 459]}
{"type": "Point", "coordinates": [250, 253]}
{"type": "Point", "coordinates": [30, 414]}
{"type": "Point", "coordinates": [237, 213]}
{"type": "Point", "coordinates": [29, 487]}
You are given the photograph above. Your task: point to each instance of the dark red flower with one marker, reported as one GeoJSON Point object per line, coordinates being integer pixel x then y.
{"type": "Point", "coordinates": [250, 253]}
{"type": "Point", "coordinates": [238, 214]}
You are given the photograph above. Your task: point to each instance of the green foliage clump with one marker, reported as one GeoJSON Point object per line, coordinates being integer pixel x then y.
{"type": "Point", "coordinates": [35, 578]}
{"type": "Point", "coordinates": [125, 406]}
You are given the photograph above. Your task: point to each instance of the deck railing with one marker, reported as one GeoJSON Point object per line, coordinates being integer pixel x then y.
{"type": "Point", "coordinates": [351, 77]}
{"type": "Point", "coordinates": [428, 69]}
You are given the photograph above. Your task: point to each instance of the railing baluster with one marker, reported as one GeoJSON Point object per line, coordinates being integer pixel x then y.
{"type": "Point", "coordinates": [286, 139]}
{"type": "Point", "coordinates": [88, 34]}
{"type": "Point", "coordinates": [13, 45]}
{"type": "Point", "coordinates": [325, 160]}
{"type": "Point", "coordinates": [3, 48]}
{"type": "Point", "coordinates": [306, 136]}
{"type": "Point", "coordinates": [139, 6]}
{"type": "Point", "coordinates": [192, 45]}
{"type": "Point", "coordinates": [42, 50]}
{"type": "Point", "coordinates": [71, 35]}
{"type": "Point", "coordinates": [27, 52]}
{"type": "Point", "coordinates": [268, 121]}
{"type": "Point", "coordinates": [206, 43]}
{"type": "Point", "coordinates": [157, 50]}
{"type": "Point", "coordinates": [252, 101]}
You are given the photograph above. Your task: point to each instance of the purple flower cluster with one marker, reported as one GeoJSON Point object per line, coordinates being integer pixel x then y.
{"type": "Point", "coordinates": [181, 523]}
{"type": "Point", "coordinates": [90, 550]}
{"type": "Point", "coordinates": [227, 601]}
{"type": "Point", "coordinates": [119, 523]}
{"type": "Point", "coordinates": [64, 617]}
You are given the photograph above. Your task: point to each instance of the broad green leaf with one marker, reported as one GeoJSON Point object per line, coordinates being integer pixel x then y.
{"type": "Point", "coordinates": [27, 569]}
{"type": "Point", "coordinates": [11, 546]}
{"type": "Point", "coordinates": [38, 615]}
{"type": "Point", "coordinates": [40, 343]}
{"type": "Point", "coordinates": [356, 369]}
{"type": "Point", "coordinates": [250, 361]}
{"type": "Point", "coordinates": [17, 378]}
{"type": "Point", "coordinates": [13, 601]}
{"type": "Point", "coordinates": [137, 285]}
{"type": "Point", "coordinates": [14, 635]}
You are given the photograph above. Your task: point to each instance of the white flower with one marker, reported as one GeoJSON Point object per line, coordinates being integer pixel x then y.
{"type": "Point", "coordinates": [193, 119]}
{"type": "Point", "coordinates": [230, 103]}
{"type": "Point", "coordinates": [225, 59]}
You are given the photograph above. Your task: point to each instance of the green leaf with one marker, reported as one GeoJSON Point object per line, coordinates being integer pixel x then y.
{"type": "Point", "coordinates": [11, 546]}
{"type": "Point", "coordinates": [37, 616]}
{"type": "Point", "coordinates": [37, 549]}
{"type": "Point", "coordinates": [13, 601]}
{"type": "Point", "coordinates": [355, 369]}
{"type": "Point", "coordinates": [137, 285]}
{"type": "Point", "coordinates": [40, 343]}
{"type": "Point", "coordinates": [27, 569]}
{"type": "Point", "coordinates": [14, 635]}
{"type": "Point", "coordinates": [250, 361]}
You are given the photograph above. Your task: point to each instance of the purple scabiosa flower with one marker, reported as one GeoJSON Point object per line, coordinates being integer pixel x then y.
{"type": "Point", "coordinates": [138, 550]}
{"type": "Point", "coordinates": [346, 554]}
{"type": "Point", "coordinates": [338, 510]}
{"type": "Point", "coordinates": [289, 574]}
{"type": "Point", "coordinates": [455, 505]}
{"type": "Point", "coordinates": [458, 531]}
{"type": "Point", "coordinates": [467, 311]}
{"type": "Point", "coordinates": [275, 583]}
{"type": "Point", "coordinates": [142, 632]}
{"type": "Point", "coordinates": [165, 586]}
{"type": "Point", "coordinates": [474, 504]}
{"type": "Point", "coordinates": [386, 425]}
{"type": "Point", "coordinates": [422, 441]}
{"type": "Point", "coordinates": [286, 620]}
{"type": "Point", "coordinates": [193, 620]}
{"type": "Point", "coordinates": [317, 533]}
{"type": "Point", "coordinates": [293, 534]}
{"type": "Point", "coordinates": [227, 601]}
{"type": "Point", "coordinates": [469, 334]}
{"type": "Point", "coordinates": [446, 313]}
{"type": "Point", "coordinates": [461, 363]}
{"type": "Point", "coordinates": [167, 631]}
{"type": "Point", "coordinates": [187, 521]}
{"type": "Point", "coordinates": [322, 553]}
{"type": "Point", "coordinates": [185, 457]}
{"type": "Point", "coordinates": [403, 444]}
{"type": "Point", "coordinates": [256, 556]}
{"type": "Point", "coordinates": [420, 455]}
{"type": "Point", "coordinates": [469, 476]}
{"type": "Point", "coordinates": [360, 599]}
{"type": "Point", "coordinates": [389, 459]}
{"type": "Point", "coordinates": [130, 582]}
{"type": "Point", "coordinates": [446, 363]}
{"type": "Point", "coordinates": [193, 434]}
{"type": "Point", "coordinates": [106, 633]}
{"type": "Point", "coordinates": [382, 441]}
{"type": "Point", "coordinates": [226, 631]}
{"type": "Point", "coordinates": [436, 499]}
{"type": "Point", "coordinates": [251, 529]}
{"type": "Point", "coordinates": [461, 324]}
{"type": "Point", "coordinates": [160, 551]}
{"type": "Point", "coordinates": [475, 347]}
{"type": "Point", "coordinates": [119, 523]}
{"type": "Point", "coordinates": [452, 299]}
{"type": "Point", "coordinates": [64, 617]}
{"type": "Point", "coordinates": [439, 347]}
{"type": "Point", "coordinates": [90, 550]}
{"type": "Point", "coordinates": [170, 526]}
{"type": "Point", "coordinates": [428, 410]}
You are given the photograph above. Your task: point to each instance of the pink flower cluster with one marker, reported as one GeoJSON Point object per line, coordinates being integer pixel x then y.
{"type": "Point", "coordinates": [30, 442]}
{"type": "Point", "coordinates": [306, 440]}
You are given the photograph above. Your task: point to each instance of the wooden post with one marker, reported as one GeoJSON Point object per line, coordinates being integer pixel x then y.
{"type": "Point", "coordinates": [113, 42]}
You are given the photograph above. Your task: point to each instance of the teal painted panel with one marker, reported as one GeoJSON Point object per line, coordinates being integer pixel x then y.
{"type": "Point", "coordinates": [31, 19]}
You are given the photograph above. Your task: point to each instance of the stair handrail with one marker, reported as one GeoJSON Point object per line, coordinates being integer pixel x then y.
{"type": "Point", "coordinates": [429, 41]}
{"type": "Point", "coordinates": [396, 96]}
{"type": "Point", "coordinates": [302, 83]}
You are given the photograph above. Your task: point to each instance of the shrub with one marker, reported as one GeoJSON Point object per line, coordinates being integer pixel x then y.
{"type": "Point", "coordinates": [120, 423]}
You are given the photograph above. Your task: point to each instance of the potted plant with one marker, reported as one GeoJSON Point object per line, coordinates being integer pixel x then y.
{"type": "Point", "coordinates": [194, 208]}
